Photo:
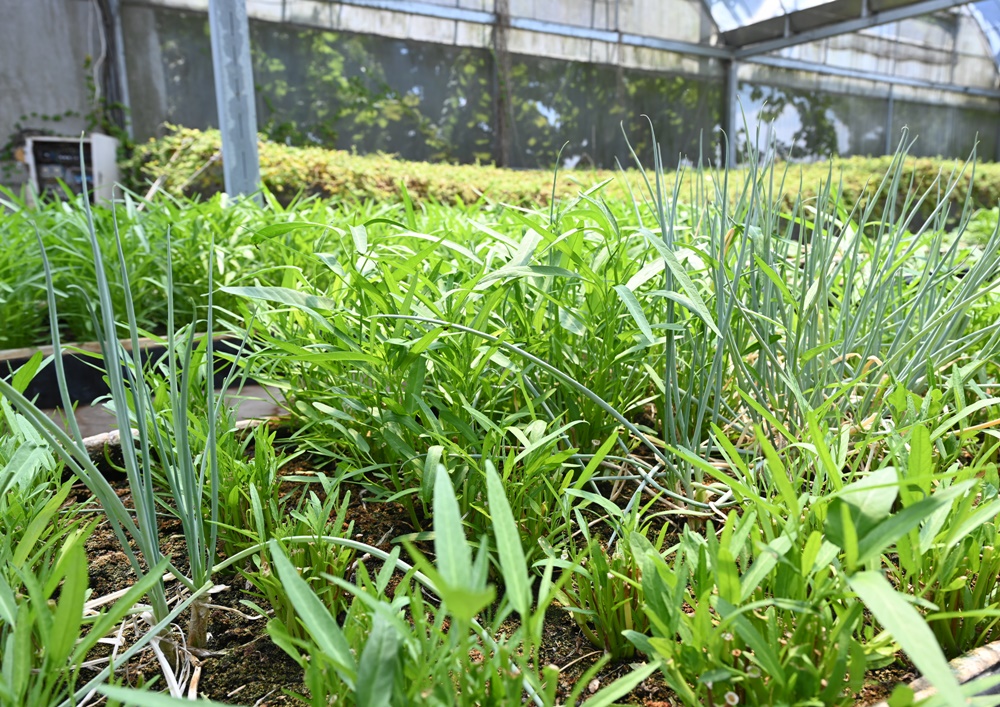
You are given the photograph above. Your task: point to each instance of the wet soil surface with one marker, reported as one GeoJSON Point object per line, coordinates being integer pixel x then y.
{"type": "Point", "coordinates": [244, 667]}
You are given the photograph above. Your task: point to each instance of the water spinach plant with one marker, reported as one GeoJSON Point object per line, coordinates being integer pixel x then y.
{"type": "Point", "coordinates": [758, 369]}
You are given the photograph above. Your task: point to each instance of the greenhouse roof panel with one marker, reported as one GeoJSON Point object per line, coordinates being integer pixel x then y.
{"type": "Point", "coordinates": [987, 13]}
{"type": "Point", "coordinates": [758, 26]}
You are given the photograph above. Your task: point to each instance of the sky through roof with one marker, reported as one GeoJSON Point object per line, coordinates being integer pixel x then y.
{"type": "Point", "coordinates": [746, 22]}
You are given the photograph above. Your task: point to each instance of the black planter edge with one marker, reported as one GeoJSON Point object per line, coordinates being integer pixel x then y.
{"type": "Point", "coordinates": [84, 380]}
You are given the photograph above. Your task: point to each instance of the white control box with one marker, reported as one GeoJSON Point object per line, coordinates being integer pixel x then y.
{"type": "Point", "coordinates": [52, 160]}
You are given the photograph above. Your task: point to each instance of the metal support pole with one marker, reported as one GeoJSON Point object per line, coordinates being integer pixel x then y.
{"type": "Point", "coordinates": [120, 66]}
{"type": "Point", "coordinates": [996, 150]}
{"type": "Point", "coordinates": [729, 116]}
{"type": "Point", "coordinates": [234, 95]}
{"type": "Point", "coordinates": [501, 73]}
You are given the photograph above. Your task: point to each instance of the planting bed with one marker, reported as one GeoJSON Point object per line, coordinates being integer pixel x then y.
{"type": "Point", "coordinates": [243, 666]}
{"type": "Point", "coordinates": [700, 447]}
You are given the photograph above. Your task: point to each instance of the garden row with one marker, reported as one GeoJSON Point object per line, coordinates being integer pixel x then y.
{"type": "Point", "coordinates": [745, 452]}
{"type": "Point", "coordinates": [185, 164]}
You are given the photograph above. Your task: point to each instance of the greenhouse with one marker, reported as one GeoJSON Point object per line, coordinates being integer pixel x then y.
{"type": "Point", "coordinates": [510, 82]}
{"type": "Point", "coordinates": [391, 353]}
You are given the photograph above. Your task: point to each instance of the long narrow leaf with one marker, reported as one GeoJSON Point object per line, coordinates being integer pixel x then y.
{"type": "Point", "coordinates": [508, 540]}
{"type": "Point", "coordinates": [909, 629]}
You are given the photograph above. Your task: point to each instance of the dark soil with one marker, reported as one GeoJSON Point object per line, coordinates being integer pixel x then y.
{"type": "Point", "coordinates": [245, 667]}
{"type": "Point", "coordinates": [880, 683]}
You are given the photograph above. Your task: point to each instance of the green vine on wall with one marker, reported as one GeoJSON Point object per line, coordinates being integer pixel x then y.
{"type": "Point", "coordinates": [99, 118]}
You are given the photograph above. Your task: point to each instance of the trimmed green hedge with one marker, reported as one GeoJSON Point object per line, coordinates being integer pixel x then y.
{"type": "Point", "coordinates": [188, 162]}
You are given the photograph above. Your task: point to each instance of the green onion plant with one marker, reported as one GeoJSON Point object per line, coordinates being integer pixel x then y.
{"type": "Point", "coordinates": [158, 444]}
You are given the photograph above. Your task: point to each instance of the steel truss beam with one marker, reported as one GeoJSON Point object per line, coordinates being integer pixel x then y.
{"type": "Point", "coordinates": [865, 20]}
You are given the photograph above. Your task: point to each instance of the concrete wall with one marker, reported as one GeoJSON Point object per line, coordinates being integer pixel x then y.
{"type": "Point", "coordinates": [947, 48]}
{"type": "Point", "coordinates": [146, 78]}
{"type": "Point", "coordinates": [685, 21]}
{"type": "Point", "coordinates": [43, 47]}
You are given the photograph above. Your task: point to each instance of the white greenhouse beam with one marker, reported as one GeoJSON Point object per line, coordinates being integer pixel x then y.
{"type": "Point", "coordinates": [785, 63]}
{"type": "Point", "coordinates": [234, 95]}
{"type": "Point", "coordinates": [865, 20]}
{"type": "Point", "coordinates": [426, 9]}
